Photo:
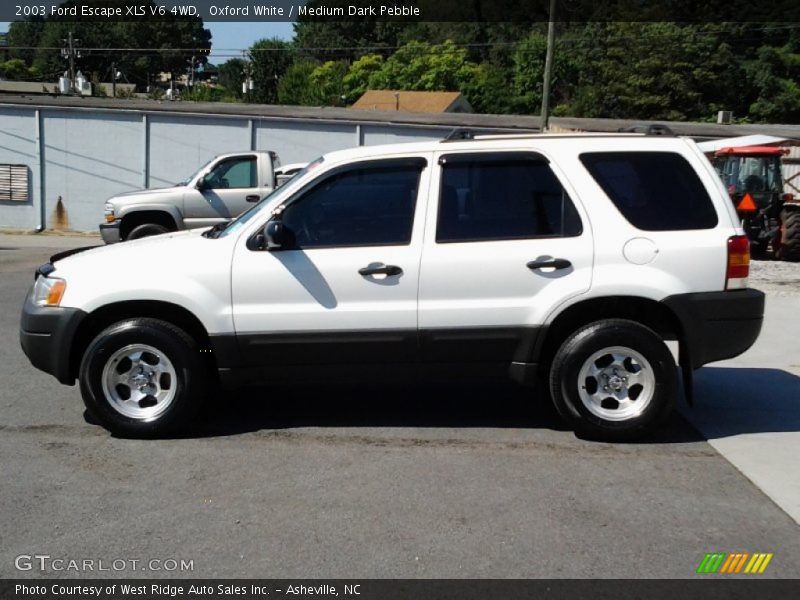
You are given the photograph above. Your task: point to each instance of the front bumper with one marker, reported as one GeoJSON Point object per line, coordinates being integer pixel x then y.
{"type": "Point", "coordinates": [46, 334]}
{"type": "Point", "coordinates": [718, 325]}
{"type": "Point", "coordinates": [110, 232]}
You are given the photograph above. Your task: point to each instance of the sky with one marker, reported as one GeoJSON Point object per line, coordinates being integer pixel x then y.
{"type": "Point", "coordinates": [229, 39]}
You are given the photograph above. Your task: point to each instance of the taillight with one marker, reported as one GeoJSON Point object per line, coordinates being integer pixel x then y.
{"type": "Point", "coordinates": [738, 262]}
{"type": "Point", "coordinates": [788, 197]}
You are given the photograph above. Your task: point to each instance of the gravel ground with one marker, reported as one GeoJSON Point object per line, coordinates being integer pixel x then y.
{"type": "Point", "coordinates": [775, 277]}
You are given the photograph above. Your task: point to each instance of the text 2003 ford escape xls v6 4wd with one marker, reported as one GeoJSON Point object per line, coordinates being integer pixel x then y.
{"type": "Point", "coordinates": [568, 258]}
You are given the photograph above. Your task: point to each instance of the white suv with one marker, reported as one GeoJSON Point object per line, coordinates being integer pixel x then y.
{"type": "Point", "coordinates": [567, 259]}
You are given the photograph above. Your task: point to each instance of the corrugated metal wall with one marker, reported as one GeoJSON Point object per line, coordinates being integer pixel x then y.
{"type": "Point", "coordinates": [88, 156]}
{"type": "Point", "coordinates": [791, 172]}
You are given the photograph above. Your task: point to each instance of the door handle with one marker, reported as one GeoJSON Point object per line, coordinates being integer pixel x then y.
{"type": "Point", "coordinates": [554, 263]}
{"type": "Point", "coordinates": [252, 198]}
{"type": "Point", "coordinates": [388, 270]}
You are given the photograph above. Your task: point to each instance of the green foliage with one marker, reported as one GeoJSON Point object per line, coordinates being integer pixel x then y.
{"type": "Point", "coordinates": [16, 69]}
{"type": "Point", "coordinates": [270, 58]}
{"type": "Point", "coordinates": [328, 84]}
{"type": "Point", "coordinates": [207, 93]}
{"type": "Point", "coordinates": [231, 76]}
{"type": "Point", "coordinates": [164, 33]}
{"type": "Point", "coordinates": [422, 66]}
{"type": "Point", "coordinates": [295, 86]}
{"type": "Point", "coordinates": [775, 75]}
{"type": "Point", "coordinates": [356, 80]}
{"type": "Point", "coordinates": [645, 71]}
{"type": "Point", "coordinates": [343, 40]}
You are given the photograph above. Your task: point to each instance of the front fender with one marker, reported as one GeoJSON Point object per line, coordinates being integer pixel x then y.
{"type": "Point", "coordinates": [129, 209]}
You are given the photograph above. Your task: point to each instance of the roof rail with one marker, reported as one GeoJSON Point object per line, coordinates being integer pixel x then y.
{"type": "Point", "coordinates": [458, 134]}
{"type": "Point", "coordinates": [652, 129]}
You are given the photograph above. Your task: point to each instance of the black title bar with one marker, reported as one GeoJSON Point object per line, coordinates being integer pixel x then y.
{"type": "Point", "coordinates": [576, 11]}
{"type": "Point", "coordinates": [708, 587]}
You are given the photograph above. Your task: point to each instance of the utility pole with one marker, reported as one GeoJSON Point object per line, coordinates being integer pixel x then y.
{"type": "Point", "coordinates": [191, 72]}
{"type": "Point", "coordinates": [70, 53]}
{"type": "Point", "coordinates": [548, 67]}
{"type": "Point", "coordinates": [247, 84]}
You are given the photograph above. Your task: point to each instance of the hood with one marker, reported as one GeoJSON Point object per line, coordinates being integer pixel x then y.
{"type": "Point", "coordinates": [141, 195]}
{"type": "Point", "coordinates": [162, 248]}
{"type": "Point", "coordinates": [183, 268]}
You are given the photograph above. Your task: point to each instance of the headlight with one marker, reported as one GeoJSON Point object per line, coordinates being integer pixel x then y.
{"type": "Point", "coordinates": [108, 211]}
{"type": "Point", "coordinates": [48, 291]}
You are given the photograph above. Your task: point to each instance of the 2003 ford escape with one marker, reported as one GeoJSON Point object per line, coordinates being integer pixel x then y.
{"type": "Point", "coordinates": [569, 259]}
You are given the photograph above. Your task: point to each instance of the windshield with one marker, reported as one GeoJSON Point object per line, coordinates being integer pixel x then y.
{"type": "Point", "coordinates": [750, 173]}
{"type": "Point", "coordinates": [192, 176]}
{"type": "Point", "coordinates": [245, 217]}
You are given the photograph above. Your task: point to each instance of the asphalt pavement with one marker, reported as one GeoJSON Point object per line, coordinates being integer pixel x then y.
{"type": "Point", "coordinates": [410, 481]}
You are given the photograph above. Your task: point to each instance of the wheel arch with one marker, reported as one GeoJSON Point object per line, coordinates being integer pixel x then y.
{"type": "Point", "coordinates": [650, 313]}
{"type": "Point", "coordinates": [141, 217]}
{"type": "Point", "coordinates": [108, 314]}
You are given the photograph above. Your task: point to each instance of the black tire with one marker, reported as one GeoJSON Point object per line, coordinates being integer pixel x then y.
{"type": "Point", "coordinates": [186, 389]}
{"type": "Point", "coordinates": [575, 353]}
{"type": "Point", "coordinates": [759, 249]}
{"type": "Point", "coordinates": [790, 244]}
{"type": "Point", "coordinates": [146, 230]}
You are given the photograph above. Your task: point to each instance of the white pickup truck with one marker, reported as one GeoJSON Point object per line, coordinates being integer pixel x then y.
{"type": "Point", "coordinates": [219, 191]}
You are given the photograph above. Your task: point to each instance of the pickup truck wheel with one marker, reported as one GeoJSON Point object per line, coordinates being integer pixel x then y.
{"type": "Point", "coordinates": [614, 380]}
{"type": "Point", "coordinates": [142, 378]}
{"type": "Point", "coordinates": [145, 230]}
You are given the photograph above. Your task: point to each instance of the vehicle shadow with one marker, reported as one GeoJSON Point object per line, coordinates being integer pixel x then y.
{"type": "Point", "coordinates": [731, 401]}
{"type": "Point", "coordinates": [419, 405]}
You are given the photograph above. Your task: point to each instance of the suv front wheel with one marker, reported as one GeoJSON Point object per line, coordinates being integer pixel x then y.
{"type": "Point", "coordinates": [142, 378]}
{"type": "Point", "coordinates": [614, 380]}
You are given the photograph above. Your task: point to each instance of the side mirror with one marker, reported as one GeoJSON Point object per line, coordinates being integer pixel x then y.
{"type": "Point", "coordinates": [274, 234]}
{"type": "Point", "coordinates": [202, 184]}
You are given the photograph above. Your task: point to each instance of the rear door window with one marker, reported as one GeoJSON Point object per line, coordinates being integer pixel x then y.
{"type": "Point", "coordinates": [493, 197]}
{"type": "Point", "coordinates": [654, 191]}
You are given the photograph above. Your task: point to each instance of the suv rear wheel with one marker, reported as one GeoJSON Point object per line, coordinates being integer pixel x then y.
{"type": "Point", "coordinates": [614, 380]}
{"type": "Point", "coordinates": [142, 378]}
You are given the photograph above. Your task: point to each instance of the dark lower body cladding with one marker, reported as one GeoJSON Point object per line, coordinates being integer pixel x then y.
{"type": "Point", "coordinates": [46, 334]}
{"type": "Point", "coordinates": [110, 232]}
{"type": "Point", "coordinates": [718, 325]}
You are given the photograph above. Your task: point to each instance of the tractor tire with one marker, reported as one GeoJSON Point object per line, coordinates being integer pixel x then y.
{"type": "Point", "coordinates": [790, 246]}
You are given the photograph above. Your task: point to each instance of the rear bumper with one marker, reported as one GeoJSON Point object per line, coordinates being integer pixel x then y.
{"type": "Point", "coordinates": [46, 335]}
{"type": "Point", "coordinates": [110, 232]}
{"type": "Point", "coordinates": [718, 325]}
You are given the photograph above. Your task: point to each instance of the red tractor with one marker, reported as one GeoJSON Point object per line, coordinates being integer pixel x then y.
{"type": "Point", "coordinates": [770, 217]}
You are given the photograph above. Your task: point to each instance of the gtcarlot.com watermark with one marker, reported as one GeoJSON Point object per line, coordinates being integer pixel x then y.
{"type": "Point", "coordinates": [44, 563]}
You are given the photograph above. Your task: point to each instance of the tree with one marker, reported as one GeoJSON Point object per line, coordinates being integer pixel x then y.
{"type": "Point", "coordinates": [16, 69]}
{"type": "Point", "coordinates": [327, 80]}
{"type": "Point", "coordinates": [270, 58]}
{"type": "Point", "coordinates": [421, 66]}
{"type": "Point", "coordinates": [295, 86]}
{"type": "Point", "coordinates": [356, 81]}
{"type": "Point", "coordinates": [231, 75]}
{"type": "Point", "coordinates": [157, 37]}
{"type": "Point", "coordinates": [646, 71]}
{"type": "Point", "coordinates": [347, 40]}
{"type": "Point", "coordinates": [775, 76]}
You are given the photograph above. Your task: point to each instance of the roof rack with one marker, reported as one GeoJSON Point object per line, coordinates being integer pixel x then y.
{"type": "Point", "coordinates": [652, 129]}
{"type": "Point", "coordinates": [459, 134]}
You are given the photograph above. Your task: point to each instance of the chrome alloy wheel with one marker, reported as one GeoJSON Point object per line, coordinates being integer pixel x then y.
{"type": "Point", "coordinates": [139, 382]}
{"type": "Point", "coordinates": [616, 383]}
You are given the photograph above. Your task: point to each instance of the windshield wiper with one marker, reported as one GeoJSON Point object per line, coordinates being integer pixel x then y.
{"type": "Point", "coordinates": [216, 229]}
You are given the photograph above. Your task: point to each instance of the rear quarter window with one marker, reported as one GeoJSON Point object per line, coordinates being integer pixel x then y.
{"type": "Point", "coordinates": [654, 191]}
